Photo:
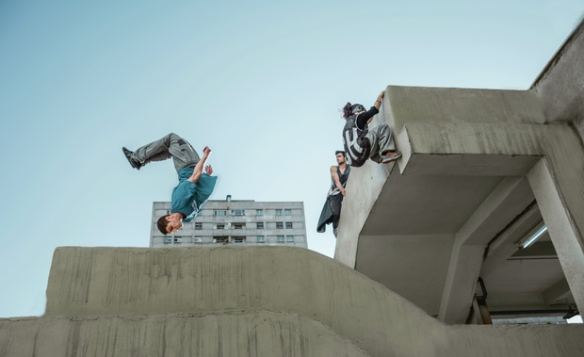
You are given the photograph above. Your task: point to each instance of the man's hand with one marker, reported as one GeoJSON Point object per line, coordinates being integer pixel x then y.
{"type": "Point", "coordinates": [208, 170]}
{"type": "Point", "coordinates": [206, 151]}
{"type": "Point", "coordinates": [378, 101]}
{"type": "Point", "coordinates": [343, 192]}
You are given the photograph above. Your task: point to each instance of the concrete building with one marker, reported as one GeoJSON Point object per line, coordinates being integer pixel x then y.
{"type": "Point", "coordinates": [240, 222]}
{"type": "Point", "coordinates": [447, 226]}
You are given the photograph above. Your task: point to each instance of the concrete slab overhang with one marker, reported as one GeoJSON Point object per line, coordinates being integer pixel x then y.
{"type": "Point", "coordinates": [474, 163]}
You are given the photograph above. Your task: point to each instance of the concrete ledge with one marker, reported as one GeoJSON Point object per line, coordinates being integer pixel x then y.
{"type": "Point", "coordinates": [461, 105]}
{"type": "Point", "coordinates": [137, 283]}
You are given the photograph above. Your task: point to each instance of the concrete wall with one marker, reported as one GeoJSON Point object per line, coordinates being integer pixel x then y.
{"type": "Point", "coordinates": [560, 84]}
{"type": "Point", "coordinates": [237, 333]}
{"type": "Point", "coordinates": [250, 301]}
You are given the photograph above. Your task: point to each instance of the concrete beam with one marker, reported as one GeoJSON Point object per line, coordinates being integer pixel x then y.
{"type": "Point", "coordinates": [503, 247]}
{"type": "Point", "coordinates": [506, 202]}
{"type": "Point", "coordinates": [563, 225]}
{"type": "Point", "coordinates": [463, 272]}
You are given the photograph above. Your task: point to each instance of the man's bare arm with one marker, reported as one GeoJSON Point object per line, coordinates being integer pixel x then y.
{"type": "Point", "coordinates": [377, 103]}
{"type": "Point", "coordinates": [337, 180]}
{"type": "Point", "coordinates": [198, 171]}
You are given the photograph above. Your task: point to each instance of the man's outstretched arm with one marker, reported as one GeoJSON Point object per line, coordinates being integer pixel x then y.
{"type": "Point", "coordinates": [198, 171]}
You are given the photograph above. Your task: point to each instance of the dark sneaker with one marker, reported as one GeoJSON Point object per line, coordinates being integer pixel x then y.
{"type": "Point", "coordinates": [132, 159]}
{"type": "Point", "coordinates": [390, 156]}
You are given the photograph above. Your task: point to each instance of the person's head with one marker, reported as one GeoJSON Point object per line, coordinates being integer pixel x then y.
{"type": "Point", "coordinates": [169, 223]}
{"type": "Point", "coordinates": [340, 157]}
{"type": "Point", "coordinates": [352, 109]}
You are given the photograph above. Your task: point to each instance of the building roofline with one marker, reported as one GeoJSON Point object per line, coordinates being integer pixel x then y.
{"type": "Point", "coordinates": [559, 53]}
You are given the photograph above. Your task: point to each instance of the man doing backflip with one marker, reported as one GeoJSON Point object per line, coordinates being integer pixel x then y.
{"type": "Point", "coordinates": [194, 186]}
{"type": "Point", "coordinates": [331, 211]}
{"type": "Point", "coordinates": [362, 142]}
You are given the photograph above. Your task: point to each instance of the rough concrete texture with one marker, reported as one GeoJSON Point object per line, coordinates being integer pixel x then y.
{"type": "Point", "coordinates": [233, 333]}
{"type": "Point", "coordinates": [249, 301]}
{"type": "Point", "coordinates": [560, 83]}
{"type": "Point", "coordinates": [410, 105]}
{"type": "Point", "coordinates": [448, 135]}
{"type": "Point", "coordinates": [442, 123]}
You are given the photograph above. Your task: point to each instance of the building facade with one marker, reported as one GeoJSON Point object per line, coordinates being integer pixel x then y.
{"type": "Point", "coordinates": [240, 222]}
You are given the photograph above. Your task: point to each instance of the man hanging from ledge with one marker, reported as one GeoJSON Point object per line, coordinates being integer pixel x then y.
{"type": "Point", "coordinates": [331, 211]}
{"type": "Point", "coordinates": [362, 142]}
{"type": "Point", "coordinates": [194, 186]}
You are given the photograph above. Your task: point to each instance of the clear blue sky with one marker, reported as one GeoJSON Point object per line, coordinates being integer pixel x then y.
{"type": "Point", "coordinates": [260, 82]}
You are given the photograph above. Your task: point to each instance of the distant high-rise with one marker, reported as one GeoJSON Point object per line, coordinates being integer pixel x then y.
{"type": "Point", "coordinates": [241, 222]}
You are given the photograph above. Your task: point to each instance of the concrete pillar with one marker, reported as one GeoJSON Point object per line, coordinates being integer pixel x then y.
{"type": "Point", "coordinates": [562, 229]}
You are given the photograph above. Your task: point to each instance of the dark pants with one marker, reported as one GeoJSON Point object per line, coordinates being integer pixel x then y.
{"type": "Point", "coordinates": [331, 212]}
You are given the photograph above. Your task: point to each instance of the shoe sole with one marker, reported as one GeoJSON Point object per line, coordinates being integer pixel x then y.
{"type": "Point", "coordinates": [388, 160]}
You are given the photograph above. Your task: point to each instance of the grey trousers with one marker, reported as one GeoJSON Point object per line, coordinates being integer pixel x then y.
{"type": "Point", "coordinates": [172, 145]}
{"type": "Point", "coordinates": [381, 139]}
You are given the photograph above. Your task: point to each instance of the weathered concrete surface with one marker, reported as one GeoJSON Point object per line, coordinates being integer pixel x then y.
{"type": "Point", "coordinates": [249, 301]}
{"type": "Point", "coordinates": [233, 333]}
{"type": "Point", "coordinates": [560, 83]}
{"type": "Point", "coordinates": [458, 145]}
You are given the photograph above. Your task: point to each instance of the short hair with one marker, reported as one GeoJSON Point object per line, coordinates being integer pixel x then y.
{"type": "Point", "coordinates": [340, 152]}
{"type": "Point", "coordinates": [162, 223]}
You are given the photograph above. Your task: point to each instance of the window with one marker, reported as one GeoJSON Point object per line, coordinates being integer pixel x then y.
{"type": "Point", "coordinates": [167, 240]}
{"type": "Point", "coordinates": [220, 226]}
{"type": "Point", "coordinates": [288, 212]}
{"type": "Point", "coordinates": [280, 239]}
{"type": "Point", "coordinates": [288, 225]}
{"type": "Point", "coordinates": [261, 239]}
{"type": "Point", "coordinates": [198, 226]}
{"type": "Point", "coordinates": [177, 240]}
{"type": "Point", "coordinates": [220, 212]}
{"type": "Point", "coordinates": [223, 240]}
{"type": "Point", "coordinates": [279, 225]}
{"type": "Point", "coordinates": [238, 240]}
{"type": "Point", "coordinates": [259, 212]}
{"type": "Point", "coordinates": [198, 240]}
{"type": "Point", "coordinates": [238, 212]}
{"type": "Point", "coordinates": [238, 225]}
{"type": "Point", "coordinates": [278, 212]}
{"type": "Point", "coordinates": [260, 225]}
{"type": "Point", "coordinates": [289, 239]}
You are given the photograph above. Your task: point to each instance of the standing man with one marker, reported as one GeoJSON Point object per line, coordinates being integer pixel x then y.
{"type": "Point", "coordinates": [361, 142]}
{"type": "Point", "coordinates": [194, 187]}
{"type": "Point", "coordinates": [331, 211]}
